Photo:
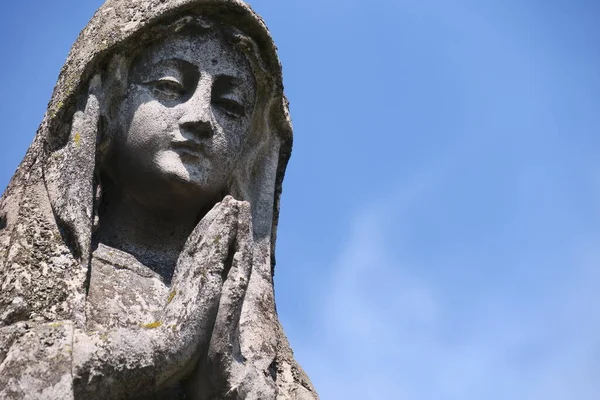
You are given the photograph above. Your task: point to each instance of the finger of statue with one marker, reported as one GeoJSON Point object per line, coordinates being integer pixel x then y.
{"type": "Point", "coordinates": [193, 302]}
{"type": "Point", "coordinates": [228, 367]}
{"type": "Point", "coordinates": [200, 269]}
{"type": "Point", "coordinates": [224, 341]}
{"type": "Point", "coordinates": [201, 234]}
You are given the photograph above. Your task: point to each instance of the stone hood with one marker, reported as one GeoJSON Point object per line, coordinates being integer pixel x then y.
{"type": "Point", "coordinates": [118, 27]}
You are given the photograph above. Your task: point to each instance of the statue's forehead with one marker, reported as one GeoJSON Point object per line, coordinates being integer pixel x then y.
{"type": "Point", "coordinates": [208, 51]}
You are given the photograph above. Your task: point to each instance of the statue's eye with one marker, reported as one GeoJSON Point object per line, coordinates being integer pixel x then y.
{"type": "Point", "coordinates": [168, 88]}
{"type": "Point", "coordinates": [230, 107]}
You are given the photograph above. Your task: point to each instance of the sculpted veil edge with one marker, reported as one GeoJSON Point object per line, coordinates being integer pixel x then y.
{"type": "Point", "coordinates": [137, 236]}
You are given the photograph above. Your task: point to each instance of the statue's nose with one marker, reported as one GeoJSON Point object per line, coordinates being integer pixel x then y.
{"type": "Point", "coordinates": [197, 118]}
{"type": "Point", "coordinates": [198, 128]}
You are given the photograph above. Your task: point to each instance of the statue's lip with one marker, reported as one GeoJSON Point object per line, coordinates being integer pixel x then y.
{"type": "Point", "coordinates": [189, 146]}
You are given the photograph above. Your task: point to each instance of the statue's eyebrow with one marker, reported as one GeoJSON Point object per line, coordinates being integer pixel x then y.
{"type": "Point", "coordinates": [175, 65]}
{"type": "Point", "coordinates": [228, 82]}
{"type": "Point", "coordinates": [178, 62]}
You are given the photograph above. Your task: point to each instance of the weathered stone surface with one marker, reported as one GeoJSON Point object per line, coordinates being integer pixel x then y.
{"type": "Point", "coordinates": [137, 235]}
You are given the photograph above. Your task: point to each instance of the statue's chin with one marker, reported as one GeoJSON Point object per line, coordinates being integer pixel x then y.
{"type": "Point", "coordinates": [182, 167]}
{"type": "Point", "coordinates": [185, 177]}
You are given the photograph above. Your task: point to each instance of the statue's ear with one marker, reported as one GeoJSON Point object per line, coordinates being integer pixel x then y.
{"type": "Point", "coordinates": [69, 175]}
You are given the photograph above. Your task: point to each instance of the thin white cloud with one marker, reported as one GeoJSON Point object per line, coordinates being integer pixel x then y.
{"type": "Point", "coordinates": [389, 333]}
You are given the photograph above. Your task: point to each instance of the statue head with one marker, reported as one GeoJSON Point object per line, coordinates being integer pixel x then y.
{"type": "Point", "coordinates": [179, 118]}
{"type": "Point", "coordinates": [181, 106]}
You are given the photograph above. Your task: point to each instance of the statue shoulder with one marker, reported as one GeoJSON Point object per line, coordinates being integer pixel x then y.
{"type": "Point", "coordinates": [40, 279]}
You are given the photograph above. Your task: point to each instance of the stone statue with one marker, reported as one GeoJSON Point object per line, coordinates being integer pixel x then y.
{"type": "Point", "coordinates": [137, 236]}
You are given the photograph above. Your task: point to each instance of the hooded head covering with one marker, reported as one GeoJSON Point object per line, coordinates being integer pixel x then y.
{"type": "Point", "coordinates": [120, 27]}
{"type": "Point", "coordinates": [50, 200]}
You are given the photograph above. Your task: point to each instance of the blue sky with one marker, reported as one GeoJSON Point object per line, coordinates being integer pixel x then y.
{"type": "Point", "coordinates": [440, 217]}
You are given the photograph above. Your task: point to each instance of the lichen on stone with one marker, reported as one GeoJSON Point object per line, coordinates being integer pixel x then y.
{"type": "Point", "coordinates": [171, 296]}
{"type": "Point", "coordinates": [152, 325]}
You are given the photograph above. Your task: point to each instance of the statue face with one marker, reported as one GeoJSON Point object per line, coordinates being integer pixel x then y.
{"type": "Point", "coordinates": [185, 118]}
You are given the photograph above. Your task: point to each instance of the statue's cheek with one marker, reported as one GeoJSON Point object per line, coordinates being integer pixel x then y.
{"type": "Point", "coordinates": [151, 127]}
{"type": "Point", "coordinates": [235, 134]}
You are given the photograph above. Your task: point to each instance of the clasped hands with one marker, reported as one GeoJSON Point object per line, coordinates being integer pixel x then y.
{"type": "Point", "coordinates": [208, 291]}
